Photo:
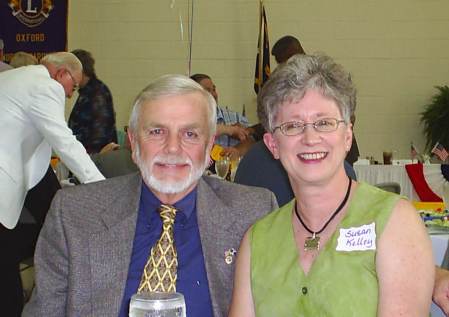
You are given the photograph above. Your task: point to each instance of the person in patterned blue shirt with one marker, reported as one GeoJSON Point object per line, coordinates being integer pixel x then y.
{"type": "Point", "coordinates": [232, 127]}
{"type": "Point", "coordinates": [92, 119]}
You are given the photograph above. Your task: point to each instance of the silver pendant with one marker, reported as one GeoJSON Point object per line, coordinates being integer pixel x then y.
{"type": "Point", "coordinates": [312, 243]}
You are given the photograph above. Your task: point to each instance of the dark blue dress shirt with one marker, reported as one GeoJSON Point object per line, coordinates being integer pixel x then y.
{"type": "Point", "coordinates": [192, 279]}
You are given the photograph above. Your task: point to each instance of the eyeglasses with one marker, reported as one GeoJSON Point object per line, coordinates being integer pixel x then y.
{"type": "Point", "coordinates": [292, 128]}
{"type": "Point", "coordinates": [75, 84]}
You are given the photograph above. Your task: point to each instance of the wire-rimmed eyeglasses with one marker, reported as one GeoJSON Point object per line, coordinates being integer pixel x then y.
{"type": "Point", "coordinates": [75, 84]}
{"type": "Point", "coordinates": [292, 128]}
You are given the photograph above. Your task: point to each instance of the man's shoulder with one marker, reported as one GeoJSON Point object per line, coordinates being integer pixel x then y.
{"type": "Point", "coordinates": [114, 186]}
{"type": "Point", "coordinates": [39, 77]}
{"type": "Point", "coordinates": [95, 207]}
{"type": "Point", "coordinates": [87, 203]}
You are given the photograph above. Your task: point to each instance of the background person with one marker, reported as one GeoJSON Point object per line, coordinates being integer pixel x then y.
{"type": "Point", "coordinates": [350, 243]}
{"type": "Point", "coordinates": [92, 119]}
{"type": "Point", "coordinates": [232, 127]}
{"type": "Point", "coordinates": [3, 66]}
{"type": "Point", "coordinates": [286, 47]}
{"type": "Point", "coordinates": [23, 59]}
{"type": "Point", "coordinates": [32, 105]}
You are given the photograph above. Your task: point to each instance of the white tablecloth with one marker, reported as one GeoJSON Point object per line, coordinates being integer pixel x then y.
{"type": "Point", "coordinates": [375, 174]}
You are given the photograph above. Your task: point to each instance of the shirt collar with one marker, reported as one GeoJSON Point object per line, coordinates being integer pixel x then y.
{"type": "Point", "coordinates": [185, 206]}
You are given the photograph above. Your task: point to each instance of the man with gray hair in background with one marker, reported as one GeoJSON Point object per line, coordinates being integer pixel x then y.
{"type": "Point", "coordinates": [32, 100]}
{"type": "Point", "coordinates": [3, 65]}
{"type": "Point", "coordinates": [94, 253]}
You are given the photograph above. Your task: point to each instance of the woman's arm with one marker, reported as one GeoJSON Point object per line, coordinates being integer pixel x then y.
{"type": "Point", "coordinates": [404, 265]}
{"type": "Point", "coordinates": [242, 298]}
{"type": "Point", "coordinates": [441, 289]}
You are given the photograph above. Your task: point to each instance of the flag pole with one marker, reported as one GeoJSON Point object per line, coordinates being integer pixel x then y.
{"type": "Point", "coordinates": [190, 40]}
{"type": "Point", "coordinates": [259, 45]}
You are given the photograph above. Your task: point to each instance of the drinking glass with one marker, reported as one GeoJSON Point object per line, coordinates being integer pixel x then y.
{"type": "Point", "coordinates": [222, 166]}
{"type": "Point", "coordinates": [155, 304]}
{"type": "Point", "coordinates": [234, 165]}
{"type": "Point", "coordinates": [387, 156]}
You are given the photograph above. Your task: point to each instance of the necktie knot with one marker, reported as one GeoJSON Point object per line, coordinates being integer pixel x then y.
{"type": "Point", "coordinates": [167, 213]}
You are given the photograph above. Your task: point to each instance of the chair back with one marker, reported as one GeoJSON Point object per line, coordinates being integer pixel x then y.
{"type": "Point", "coordinates": [390, 187]}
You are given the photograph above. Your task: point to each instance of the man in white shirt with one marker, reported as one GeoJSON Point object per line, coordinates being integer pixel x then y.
{"type": "Point", "coordinates": [32, 119]}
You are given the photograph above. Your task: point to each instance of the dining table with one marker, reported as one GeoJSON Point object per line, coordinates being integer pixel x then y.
{"type": "Point", "coordinates": [379, 173]}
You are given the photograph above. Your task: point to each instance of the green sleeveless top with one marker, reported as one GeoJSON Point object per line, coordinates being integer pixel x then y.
{"type": "Point", "coordinates": [340, 282]}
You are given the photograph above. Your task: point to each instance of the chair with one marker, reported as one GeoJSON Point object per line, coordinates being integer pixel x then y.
{"type": "Point", "coordinates": [390, 187]}
{"type": "Point", "coordinates": [121, 135]}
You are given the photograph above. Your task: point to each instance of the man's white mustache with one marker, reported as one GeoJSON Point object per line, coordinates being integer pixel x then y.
{"type": "Point", "coordinates": [171, 160]}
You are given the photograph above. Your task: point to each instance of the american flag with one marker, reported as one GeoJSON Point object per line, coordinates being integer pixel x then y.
{"type": "Point", "coordinates": [440, 151]}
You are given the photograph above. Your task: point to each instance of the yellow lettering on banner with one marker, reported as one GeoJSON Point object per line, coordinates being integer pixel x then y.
{"type": "Point", "coordinates": [30, 37]}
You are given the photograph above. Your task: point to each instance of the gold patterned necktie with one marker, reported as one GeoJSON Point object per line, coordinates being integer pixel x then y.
{"type": "Point", "coordinates": [160, 272]}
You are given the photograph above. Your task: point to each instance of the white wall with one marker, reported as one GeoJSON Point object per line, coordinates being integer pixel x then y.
{"type": "Point", "coordinates": [397, 51]}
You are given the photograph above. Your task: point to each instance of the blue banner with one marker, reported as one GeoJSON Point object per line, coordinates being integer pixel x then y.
{"type": "Point", "coordinates": [37, 27]}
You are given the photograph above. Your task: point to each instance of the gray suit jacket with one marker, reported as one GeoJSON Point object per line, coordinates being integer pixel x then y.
{"type": "Point", "coordinates": [84, 249]}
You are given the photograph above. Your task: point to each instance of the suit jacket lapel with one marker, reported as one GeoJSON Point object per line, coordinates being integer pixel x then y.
{"type": "Point", "coordinates": [110, 250]}
{"type": "Point", "coordinates": [215, 229]}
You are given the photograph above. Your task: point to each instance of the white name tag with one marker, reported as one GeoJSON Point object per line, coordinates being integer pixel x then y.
{"type": "Point", "coordinates": [357, 238]}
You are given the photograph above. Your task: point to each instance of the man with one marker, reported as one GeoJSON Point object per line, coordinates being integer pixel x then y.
{"type": "Point", "coordinates": [285, 48]}
{"type": "Point", "coordinates": [3, 65]}
{"type": "Point", "coordinates": [93, 118]}
{"type": "Point", "coordinates": [32, 107]}
{"type": "Point", "coordinates": [231, 126]}
{"type": "Point", "coordinates": [95, 242]}
{"type": "Point", "coordinates": [258, 167]}
{"type": "Point", "coordinates": [20, 59]}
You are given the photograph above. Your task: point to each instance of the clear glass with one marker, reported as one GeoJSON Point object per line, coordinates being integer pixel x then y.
{"type": "Point", "coordinates": [157, 304]}
{"type": "Point", "coordinates": [234, 165]}
{"type": "Point", "coordinates": [222, 166]}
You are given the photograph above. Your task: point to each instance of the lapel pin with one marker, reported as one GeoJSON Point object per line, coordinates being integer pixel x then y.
{"type": "Point", "coordinates": [229, 255]}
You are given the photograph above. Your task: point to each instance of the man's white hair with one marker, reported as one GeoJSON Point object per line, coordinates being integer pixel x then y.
{"type": "Point", "coordinates": [63, 60]}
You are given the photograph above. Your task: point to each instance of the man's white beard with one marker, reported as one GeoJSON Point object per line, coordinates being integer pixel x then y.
{"type": "Point", "coordinates": [169, 187]}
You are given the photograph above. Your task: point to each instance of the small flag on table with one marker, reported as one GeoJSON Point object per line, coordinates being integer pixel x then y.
{"type": "Point", "coordinates": [440, 151]}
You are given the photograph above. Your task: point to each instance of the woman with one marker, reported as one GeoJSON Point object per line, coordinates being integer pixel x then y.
{"type": "Point", "coordinates": [92, 119]}
{"type": "Point", "coordinates": [340, 248]}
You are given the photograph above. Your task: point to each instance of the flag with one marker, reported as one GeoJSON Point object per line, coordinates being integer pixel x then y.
{"type": "Point", "coordinates": [413, 151]}
{"type": "Point", "coordinates": [263, 52]}
{"type": "Point", "coordinates": [440, 151]}
{"type": "Point", "coordinates": [419, 177]}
